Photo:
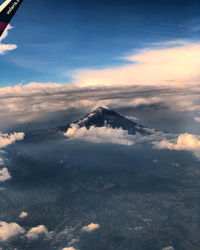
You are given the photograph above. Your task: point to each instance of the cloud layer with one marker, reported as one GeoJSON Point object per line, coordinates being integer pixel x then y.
{"type": "Point", "coordinates": [158, 139]}
{"type": "Point", "coordinates": [100, 135]}
{"type": "Point", "coordinates": [154, 66]}
{"type": "Point", "coordinates": [185, 141]}
{"type": "Point", "coordinates": [172, 109]}
{"type": "Point", "coordinates": [37, 102]}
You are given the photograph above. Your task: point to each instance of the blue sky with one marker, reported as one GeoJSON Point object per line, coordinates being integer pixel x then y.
{"type": "Point", "coordinates": [54, 38]}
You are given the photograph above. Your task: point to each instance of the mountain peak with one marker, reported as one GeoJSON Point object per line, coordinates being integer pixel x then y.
{"type": "Point", "coordinates": [102, 117]}
{"type": "Point", "coordinates": [100, 109]}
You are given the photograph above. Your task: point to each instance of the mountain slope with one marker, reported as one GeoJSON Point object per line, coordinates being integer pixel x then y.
{"type": "Point", "coordinates": [105, 117]}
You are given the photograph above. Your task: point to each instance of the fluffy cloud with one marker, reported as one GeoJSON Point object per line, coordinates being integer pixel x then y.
{"type": "Point", "coordinates": [100, 135]}
{"type": "Point", "coordinates": [185, 141]}
{"type": "Point", "coordinates": [6, 47]}
{"type": "Point", "coordinates": [35, 232]}
{"type": "Point", "coordinates": [197, 119]}
{"type": "Point", "coordinates": [5, 33]}
{"type": "Point", "coordinates": [9, 230]}
{"type": "Point", "coordinates": [168, 248]}
{"type": "Point", "coordinates": [23, 215]}
{"type": "Point", "coordinates": [69, 248]}
{"type": "Point", "coordinates": [91, 227]}
{"type": "Point", "coordinates": [158, 139]}
{"type": "Point", "coordinates": [6, 139]}
{"type": "Point", "coordinates": [4, 175]}
{"type": "Point", "coordinates": [169, 65]}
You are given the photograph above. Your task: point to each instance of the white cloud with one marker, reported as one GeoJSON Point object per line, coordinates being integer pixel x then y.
{"type": "Point", "coordinates": [100, 135]}
{"type": "Point", "coordinates": [172, 43]}
{"type": "Point", "coordinates": [9, 230]}
{"type": "Point", "coordinates": [69, 248]}
{"type": "Point", "coordinates": [23, 215]}
{"type": "Point", "coordinates": [153, 66]}
{"type": "Point", "coordinates": [35, 232]}
{"type": "Point", "coordinates": [159, 139]}
{"type": "Point", "coordinates": [5, 33]}
{"type": "Point", "coordinates": [4, 175]}
{"type": "Point", "coordinates": [6, 47]}
{"type": "Point", "coordinates": [6, 139]}
{"type": "Point", "coordinates": [91, 227]}
{"type": "Point", "coordinates": [41, 103]}
{"type": "Point", "coordinates": [197, 119]}
{"type": "Point", "coordinates": [168, 248]}
{"type": "Point", "coordinates": [185, 141]}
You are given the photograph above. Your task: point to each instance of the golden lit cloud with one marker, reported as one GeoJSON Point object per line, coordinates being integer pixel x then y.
{"type": "Point", "coordinates": [91, 227]}
{"type": "Point", "coordinates": [9, 230]}
{"type": "Point", "coordinates": [185, 141]}
{"type": "Point", "coordinates": [168, 66]}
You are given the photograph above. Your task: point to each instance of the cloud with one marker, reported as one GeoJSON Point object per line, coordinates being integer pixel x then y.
{"type": "Point", "coordinates": [6, 47]}
{"type": "Point", "coordinates": [69, 248]}
{"type": "Point", "coordinates": [159, 139]}
{"type": "Point", "coordinates": [40, 105]}
{"type": "Point", "coordinates": [9, 230]}
{"type": "Point", "coordinates": [23, 215]}
{"type": "Point", "coordinates": [91, 227]}
{"type": "Point", "coordinates": [4, 175]}
{"type": "Point", "coordinates": [35, 232]}
{"type": "Point", "coordinates": [197, 119]}
{"type": "Point", "coordinates": [5, 33]}
{"type": "Point", "coordinates": [185, 141]}
{"type": "Point", "coordinates": [168, 248]}
{"type": "Point", "coordinates": [6, 139]}
{"type": "Point", "coordinates": [100, 135]}
{"type": "Point", "coordinates": [153, 66]}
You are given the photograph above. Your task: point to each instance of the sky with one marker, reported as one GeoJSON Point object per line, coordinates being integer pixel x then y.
{"type": "Point", "coordinates": [103, 42]}
{"type": "Point", "coordinates": [61, 60]}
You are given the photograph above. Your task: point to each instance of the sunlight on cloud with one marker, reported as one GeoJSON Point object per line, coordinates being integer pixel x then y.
{"type": "Point", "coordinates": [168, 248]}
{"type": "Point", "coordinates": [185, 141]}
{"type": "Point", "coordinates": [4, 175]}
{"type": "Point", "coordinates": [8, 230]}
{"type": "Point", "coordinates": [158, 139]}
{"type": "Point", "coordinates": [6, 139]}
{"type": "Point", "coordinates": [197, 119]}
{"type": "Point", "coordinates": [100, 135]}
{"type": "Point", "coordinates": [168, 66]}
{"type": "Point", "coordinates": [91, 227]}
{"type": "Point", "coordinates": [6, 47]}
{"type": "Point", "coordinates": [23, 215]}
{"type": "Point", "coordinates": [69, 248]}
{"type": "Point", "coordinates": [35, 232]}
